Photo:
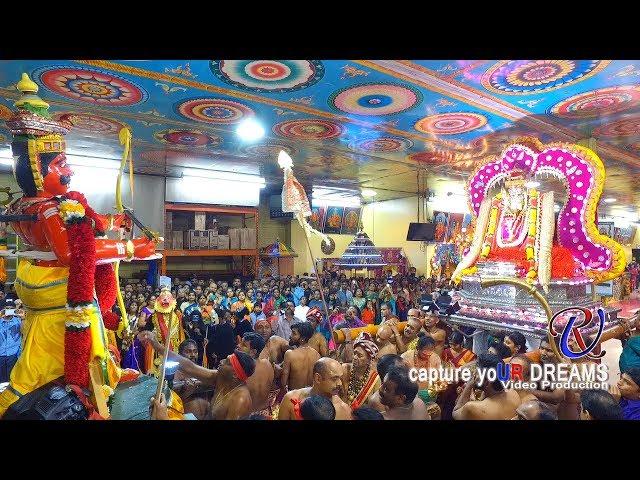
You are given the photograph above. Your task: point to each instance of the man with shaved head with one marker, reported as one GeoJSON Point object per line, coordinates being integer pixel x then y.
{"type": "Point", "coordinates": [327, 382]}
{"type": "Point", "coordinates": [398, 394]}
{"type": "Point", "coordinates": [431, 321]}
{"type": "Point", "coordinates": [411, 329]}
{"type": "Point", "coordinates": [298, 364]}
{"type": "Point", "coordinates": [389, 339]}
{"type": "Point", "coordinates": [534, 410]}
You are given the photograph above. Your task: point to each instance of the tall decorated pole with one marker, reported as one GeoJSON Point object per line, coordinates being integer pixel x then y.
{"type": "Point", "coordinates": [294, 200]}
{"type": "Point", "coordinates": [125, 140]}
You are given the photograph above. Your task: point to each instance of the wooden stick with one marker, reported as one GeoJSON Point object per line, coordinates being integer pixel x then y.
{"type": "Point", "coordinates": [315, 270]}
{"type": "Point", "coordinates": [167, 343]}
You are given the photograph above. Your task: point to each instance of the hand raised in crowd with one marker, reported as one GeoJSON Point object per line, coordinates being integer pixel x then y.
{"type": "Point", "coordinates": [149, 337]}
{"type": "Point", "coordinates": [160, 411]}
{"type": "Point", "coordinates": [392, 322]}
{"type": "Point", "coordinates": [394, 327]}
{"type": "Point", "coordinates": [146, 336]}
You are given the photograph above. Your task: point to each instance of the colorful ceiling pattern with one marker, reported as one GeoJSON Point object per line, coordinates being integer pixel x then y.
{"type": "Point", "coordinates": [348, 123]}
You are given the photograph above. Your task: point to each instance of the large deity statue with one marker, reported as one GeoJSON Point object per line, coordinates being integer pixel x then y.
{"type": "Point", "coordinates": [516, 232]}
{"type": "Point", "coordinates": [65, 279]}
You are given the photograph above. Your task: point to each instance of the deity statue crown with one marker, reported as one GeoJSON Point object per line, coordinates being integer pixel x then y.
{"type": "Point", "coordinates": [37, 138]}
{"type": "Point", "coordinates": [516, 178]}
{"type": "Point", "coordinates": [33, 119]}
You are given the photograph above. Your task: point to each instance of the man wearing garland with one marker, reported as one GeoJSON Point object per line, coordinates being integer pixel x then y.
{"type": "Point", "coordinates": [163, 318]}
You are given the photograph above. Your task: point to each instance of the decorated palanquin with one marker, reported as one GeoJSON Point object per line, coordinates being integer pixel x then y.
{"type": "Point", "coordinates": [394, 257]}
{"type": "Point", "coordinates": [66, 274]}
{"type": "Point", "coordinates": [517, 236]}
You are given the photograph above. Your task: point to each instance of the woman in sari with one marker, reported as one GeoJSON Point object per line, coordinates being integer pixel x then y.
{"type": "Point", "coordinates": [360, 378]}
{"type": "Point", "coordinates": [456, 354]}
{"type": "Point", "coordinates": [242, 303]}
{"type": "Point", "coordinates": [131, 346]}
{"type": "Point", "coordinates": [369, 313]}
{"type": "Point", "coordinates": [358, 299]}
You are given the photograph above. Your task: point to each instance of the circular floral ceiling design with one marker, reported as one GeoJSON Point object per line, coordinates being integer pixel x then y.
{"type": "Point", "coordinates": [275, 76]}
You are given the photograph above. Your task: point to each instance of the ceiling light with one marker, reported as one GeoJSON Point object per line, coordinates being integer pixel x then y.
{"type": "Point", "coordinates": [339, 197]}
{"type": "Point", "coordinates": [368, 193]}
{"type": "Point", "coordinates": [532, 184]}
{"type": "Point", "coordinates": [250, 130]}
{"type": "Point", "coordinates": [609, 200]}
{"type": "Point", "coordinates": [226, 176]}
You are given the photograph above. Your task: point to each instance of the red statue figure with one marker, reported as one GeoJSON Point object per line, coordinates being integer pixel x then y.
{"type": "Point", "coordinates": [65, 280]}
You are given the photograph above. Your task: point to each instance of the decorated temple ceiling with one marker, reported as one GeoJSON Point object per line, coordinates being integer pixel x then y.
{"type": "Point", "coordinates": [348, 123]}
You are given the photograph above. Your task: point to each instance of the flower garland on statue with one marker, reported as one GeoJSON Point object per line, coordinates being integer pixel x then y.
{"type": "Point", "coordinates": [83, 225]}
{"type": "Point", "coordinates": [514, 253]}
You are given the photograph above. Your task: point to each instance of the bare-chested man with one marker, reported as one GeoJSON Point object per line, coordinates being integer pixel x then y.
{"type": "Point", "coordinates": [261, 381]}
{"type": "Point", "coordinates": [387, 315]}
{"type": "Point", "coordinates": [411, 330]}
{"type": "Point", "coordinates": [423, 357]}
{"type": "Point", "coordinates": [231, 399]}
{"type": "Point", "coordinates": [317, 340]}
{"type": "Point", "coordinates": [434, 331]}
{"type": "Point", "coordinates": [384, 365]}
{"type": "Point", "coordinates": [565, 403]}
{"type": "Point", "coordinates": [389, 339]}
{"type": "Point", "coordinates": [297, 367]}
{"type": "Point", "coordinates": [327, 381]}
{"type": "Point", "coordinates": [497, 404]}
{"type": "Point", "coordinates": [275, 346]}
{"type": "Point", "coordinates": [194, 395]}
{"type": "Point", "coordinates": [524, 363]}
{"type": "Point", "coordinates": [398, 393]}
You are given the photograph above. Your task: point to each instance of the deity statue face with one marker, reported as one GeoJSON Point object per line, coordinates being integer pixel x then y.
{"type": "Point", "coordinates": [165, 301]}
{"type": "Point", "coordinates": [514, 197]}
{"type": "Point", "coordinates": [58, 176]}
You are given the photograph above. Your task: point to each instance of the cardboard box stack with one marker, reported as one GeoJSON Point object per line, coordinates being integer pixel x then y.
{"type": "Point", "coordinates": [200, 220]}
{"type": "Point", "coordinates": [248, 238]}
{"type": "Point", "coordinates": [213, 239]}
{"type": "Point", "coordinates": [177, 240]}
{"type": "Point", "coordinates": [234, 238]}
{"type": "Point", "coordinates": [196, 240]}
{"type": "Point", "coordinates": [181, 233]}
{"type": "Point", "coordinates": [223, 242]}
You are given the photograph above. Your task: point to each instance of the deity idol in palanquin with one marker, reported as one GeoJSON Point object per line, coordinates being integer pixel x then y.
{"type": "Point", "coordinates": [517, 226]}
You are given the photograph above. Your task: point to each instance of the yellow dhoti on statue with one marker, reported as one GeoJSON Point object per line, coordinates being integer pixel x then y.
{"type": "Point", "coordinates": [43, 291]}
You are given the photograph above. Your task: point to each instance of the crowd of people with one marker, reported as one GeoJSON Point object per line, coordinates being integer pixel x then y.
{"type": "Point", "coordinates": [264, 349]}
